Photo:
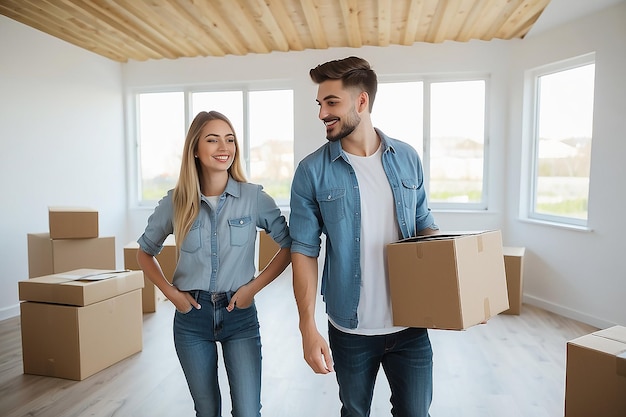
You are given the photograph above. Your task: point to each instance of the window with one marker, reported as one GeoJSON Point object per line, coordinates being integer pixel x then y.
{"type": "Point", "coordinates": [161, 132]}
{"type": "Point", "coordinates": [263, 122]}
{"type": "Point", "coordinates": [445, 122]}
{"type": "Point", "coordinates": [561, 140]}
{"type": "Point", "coordinates": [457, 141]}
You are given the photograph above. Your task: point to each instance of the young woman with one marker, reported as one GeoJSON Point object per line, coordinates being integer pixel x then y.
{"type": "Point", "coordinates": [214, 214]}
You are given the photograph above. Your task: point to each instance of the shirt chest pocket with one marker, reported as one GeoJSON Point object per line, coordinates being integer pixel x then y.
{"type": "Point", "coordinates": [193, 240]}
{"type": "Point", "coordinates": [410, 186]}
{"type": "Point", "coordinates": [331, 203]}
{"type": "Point", "coordinates": [240, 230]}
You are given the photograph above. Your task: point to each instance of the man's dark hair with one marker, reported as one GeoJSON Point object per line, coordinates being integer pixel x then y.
{"type": "Point", "coordinates": [352, 71]}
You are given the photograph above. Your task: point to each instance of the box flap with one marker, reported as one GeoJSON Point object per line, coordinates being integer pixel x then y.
{"type": "Point", "coordinates": [616, 333]}
{"type": "Point", "coordinates": [78, 287]}
{"type": "Point", "coordinates": [69, 209]}
{"type": "Point", "coordinates": [513, 251]}
{"type": "Point", "coordinates": [441, 236]}
{"type": "Point", "coordinates": [90, 275]}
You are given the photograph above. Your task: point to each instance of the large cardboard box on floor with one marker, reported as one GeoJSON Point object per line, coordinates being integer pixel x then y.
{"type": "Point", "coordinates": [48, 256]}
{"type": "Point", "coordinates": [72, 222]}
{"type": "Point", "coordinates": [75, 328]}
{"type": "Point", "coordinates": [447, 281]}
{"type": "Point", "coordinates": [595, 381]}
{"type": "Point", "coordinates": [514, 268]}
{"type": "Point", "coordinates": [150, 295]}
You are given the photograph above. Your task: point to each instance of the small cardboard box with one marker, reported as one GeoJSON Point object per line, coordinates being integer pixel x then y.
{"type": "Point", "coordinates": [77, 323]}
{"type": "Point", "coordinates": [50, 256]}
{"type": "Point", "coordinates": [150, 295]}
{"type": "Point", "coordinates": [595, 376]}
{"type": "Point", "coordinates": [514, 268]}
{"type": "Point", "coordinates": [79, 287]}
{"type": "Point", "coordinates": [72, 222]}
{"type": "Point", "coordinates": [267, 249]}
{"type": "Point", "coordinates": [76, 342]}
{"type": "Point", "coordinates": [447, 281]}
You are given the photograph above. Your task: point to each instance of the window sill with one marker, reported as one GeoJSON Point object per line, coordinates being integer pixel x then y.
{"type": "Point", "coordinates": [573, 227]}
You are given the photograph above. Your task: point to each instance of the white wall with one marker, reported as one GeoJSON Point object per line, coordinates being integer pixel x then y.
{"type": "Point", "coordinates": [61, 130]}
{"type": "Point", "coordinates": [574, 273]}
{"type": "Point", "coordinates": [578, 274]}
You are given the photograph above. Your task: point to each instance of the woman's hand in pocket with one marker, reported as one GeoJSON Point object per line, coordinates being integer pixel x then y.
{"type": "Point", "coordinates": [242, 298]}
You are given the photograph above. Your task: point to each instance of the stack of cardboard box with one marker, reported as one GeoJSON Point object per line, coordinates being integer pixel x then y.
{"type": "Point", "coordinates": [72, 242]}
{"type": "Point", "coordinates": [79, 315]}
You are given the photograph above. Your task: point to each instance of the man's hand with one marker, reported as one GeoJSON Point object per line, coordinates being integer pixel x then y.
{"type": "Point", "coordinates": [317, 353]}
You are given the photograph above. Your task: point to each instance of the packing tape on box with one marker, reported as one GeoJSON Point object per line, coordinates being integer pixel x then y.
{"type": "Point", "coordinates": [487, 308]}
{"type": "Point", "coordinates": [479, 242]}
{"type": "Point", "coordinates": [418, 251]}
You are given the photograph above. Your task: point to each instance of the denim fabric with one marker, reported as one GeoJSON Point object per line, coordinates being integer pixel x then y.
{"type": "Point", "coordinates": [406, 357]}
{"type": "Point", "coordinates": [325, 199]}
{"type": "Point", "coordinates": [195, 337]}
{"type": "Point", "coordinates": [218, 253]}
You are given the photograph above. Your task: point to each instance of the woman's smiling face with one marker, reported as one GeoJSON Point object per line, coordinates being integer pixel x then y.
{"type": "Point", "coordinates": [216, 146]}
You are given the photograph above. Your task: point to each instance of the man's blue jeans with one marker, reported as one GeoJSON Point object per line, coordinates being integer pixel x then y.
{"type": "Point", "coordinates": [195, 337]}
{"type": "Point", "coordinates": [406, 357]}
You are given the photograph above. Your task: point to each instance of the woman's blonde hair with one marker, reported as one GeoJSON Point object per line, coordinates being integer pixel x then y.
{"type": "Point", "coordinates": [186, 195]}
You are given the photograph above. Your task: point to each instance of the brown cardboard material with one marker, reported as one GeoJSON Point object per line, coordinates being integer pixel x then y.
{"type": "Point", "coordinates": [76, 342]}
{"type": "Point", "coordinates": [514, 268]}
{"type": "Point", "coordinates": [66, 288]}
{"type": "Point", "coordinates": [150, 295]}
{"type": "Point", "coordinates": [267, 249]}
{"type": "Point", "coordinates": [448, 281]}
{"type": "Point", "coordinates": [48, 256]}
{"type": "Point", "coordinates": [72, 222]}
{"type": "Point", "coordinates": [595, 379]}
{"type": "Point", "coordinates": [167, 258]}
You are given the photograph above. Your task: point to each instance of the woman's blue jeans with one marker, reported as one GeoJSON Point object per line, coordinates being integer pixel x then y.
{"type": "Point", "coordinates": [406, 357]}
{"type": "Point", "coordinates": [195, 337]}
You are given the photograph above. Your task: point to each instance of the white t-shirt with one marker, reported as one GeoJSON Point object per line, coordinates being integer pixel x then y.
{"type": "Point", "coordinates": [378, 228]}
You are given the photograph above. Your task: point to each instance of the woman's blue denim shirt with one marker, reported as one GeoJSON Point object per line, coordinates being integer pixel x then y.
{"type": "Point", "coordinates": [218, 253]}
{"type": "Point", "coordinates": [325, 199]}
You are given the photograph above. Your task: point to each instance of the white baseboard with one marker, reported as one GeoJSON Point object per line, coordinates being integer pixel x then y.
{"type": "Point", "coordinates": [567, 312]}
{"type": "Point", "coordinates": [9, 312]}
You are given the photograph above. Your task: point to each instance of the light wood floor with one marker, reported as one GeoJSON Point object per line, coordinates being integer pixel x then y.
{"type": "Point", "coordinates": [514, 366]}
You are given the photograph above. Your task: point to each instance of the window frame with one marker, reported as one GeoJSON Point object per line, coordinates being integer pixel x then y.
{"type": "Point", "coordinates": [428, 80]}
{"type": "Point", "coordinates": [528, 201]}
{"type": "Point", "coordinates": [133, 127]}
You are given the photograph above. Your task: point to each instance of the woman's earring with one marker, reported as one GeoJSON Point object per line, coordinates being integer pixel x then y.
{"type": "Point", "coordinates": [196, 156]}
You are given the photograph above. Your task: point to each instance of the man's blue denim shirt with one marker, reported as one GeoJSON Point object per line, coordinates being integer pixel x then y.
{"type": "Point", "coordinates": [325, 199]}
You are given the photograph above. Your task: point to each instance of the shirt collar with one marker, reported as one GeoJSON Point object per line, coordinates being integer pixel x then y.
{"type": "Point", "coordinates": [233, 187]}
{"type": "Point", "coordinates": [336, 150]}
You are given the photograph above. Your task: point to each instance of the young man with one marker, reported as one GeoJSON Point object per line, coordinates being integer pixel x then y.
{"type": "Point", "coordinates": [363, 190]}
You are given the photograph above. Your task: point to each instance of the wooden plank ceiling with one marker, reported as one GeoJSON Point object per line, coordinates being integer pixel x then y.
{"type": "Point", "coordinates": [169, 29]}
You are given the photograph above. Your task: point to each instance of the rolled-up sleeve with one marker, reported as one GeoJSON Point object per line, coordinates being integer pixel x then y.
{"type": "Point", "coordinates": [159, 227]}
{"type": "Point", "coordinates": [272, 220]}
{"type": "Point", "coordinates": [304, 219]}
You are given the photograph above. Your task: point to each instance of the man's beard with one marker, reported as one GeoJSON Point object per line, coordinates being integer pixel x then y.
{"type": "Point", "coordinates": [351, 122]}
